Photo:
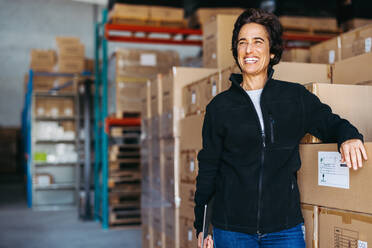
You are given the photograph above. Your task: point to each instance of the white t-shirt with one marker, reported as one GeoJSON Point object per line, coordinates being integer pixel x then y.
{"type": "Point", "coordinates": [255, 96]}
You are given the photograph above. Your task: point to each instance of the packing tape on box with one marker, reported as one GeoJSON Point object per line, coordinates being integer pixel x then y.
{"type": "Point", "coordinates": [347, 217]}
{"type": "Point", "coordinates": [132, 79]}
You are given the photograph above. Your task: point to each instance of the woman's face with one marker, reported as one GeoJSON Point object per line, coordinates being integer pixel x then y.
{"type": "Point", "coordinates": [253, 49]}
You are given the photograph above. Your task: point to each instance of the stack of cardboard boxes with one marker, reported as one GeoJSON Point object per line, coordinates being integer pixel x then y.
{"type": "Point", "coordinates": [69, 58]}
{"type": "Point", "coordinates": [129, 70]}
{"type": "Point", "coordinates": [147, 15]}
{"type": "Point", "coordinates": [336, 206]}
{"type": "Point", "coordinates": [346, 45]}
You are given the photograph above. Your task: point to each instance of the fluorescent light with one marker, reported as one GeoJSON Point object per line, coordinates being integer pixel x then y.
{"type": "Point", "coordinates": [99, 2]}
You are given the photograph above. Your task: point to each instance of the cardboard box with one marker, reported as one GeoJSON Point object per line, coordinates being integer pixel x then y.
{"type": "Point", "coordinates": [71, 51]}
{"type": "Point", "coordinates": [128, 97]}
{"type": "Point", "coordinates": [175, 80]}
{"type": "Point", "coordinates": [145, 96]}
{"type": "Point", "coordinates": [191, 132]}
{"type": "Point", "coordinates": [296, 55]}
{"type": "Point", "coordinates": [339, 228]}
{"type": "Point", "coordinates": [160, 13]}
{"type": "Point", "coordinates": [302, 73]}
{"type": "Point", "coordinates": [193, 97]}
{"type": "Point", "coordinates": [71, 65]}
{"type": "Point", "coordinates": [355, 23]}
{"type": "Point", "coordinates": [142, 63]}
{"type": "Point", "coordinates": [158, 173]}
{"type": "Point", "coordinates": [204, 15]}
{"type": "Point", "coordinates": [217, 42]}
{"type": "Point", "coordinates": [172, 84]}
{"type": "Point", "coordinates": [309, 23]}
{"type": "Point", "coordinates": [147, 237]}
{"type": "Point", "coordinates": [189, 166]}
{"type": "Point", "coordinates": [355, 70]}
{"type": "Point", "coordinates": [67, 40]}
{"type": "Point", "coordinates": [40, 83]}
{"type": "Point", "coordinates": [68, 126]}
{"type": "Point", "coordinates": [42, 60]}
{"type": "Point", "coordinates": [172, 227]}
{"type": "Point", "coordinates": [225, 76]}
{"type": "Point", "coordinates": [156, 96]}
{"type": "Point", "coordinates": [154, 128]}
{"type": "Point", "coordinates": [324, 182]}
{"type": "Point", "coordinates": [130, 11]}
{"type": "Point", "coordinates": [197, 95]}
{"type": "Point", "coordinates": [356, 42]}
{"type": "Point", "coordinates": [326, 52]}
{"type": "Point", "coordinates": [356, 109]}
{"type": "Point", "coordinates": [159, 239]}
{"type": "Point", "coordinates": [187, 233]}
{"type": "Point", "coordinates": [170, 160]}
{"type": "Point", "coordinates": [187, 193]}
{"type": "Point", "coordinates": [309, 221]}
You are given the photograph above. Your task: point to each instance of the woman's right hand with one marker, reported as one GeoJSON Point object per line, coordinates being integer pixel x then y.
{"type": "Point", "coordinates": [208, 241]}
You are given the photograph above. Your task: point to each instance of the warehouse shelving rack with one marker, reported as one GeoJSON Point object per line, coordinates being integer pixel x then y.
{"type": "Point", "coordinates": [29, 141]}
{"type": "Point", "coordinates": [105, 32]}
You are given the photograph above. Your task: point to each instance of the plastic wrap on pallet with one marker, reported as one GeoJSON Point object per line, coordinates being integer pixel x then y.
{"type": "Point", "coordinates": [169, 123]}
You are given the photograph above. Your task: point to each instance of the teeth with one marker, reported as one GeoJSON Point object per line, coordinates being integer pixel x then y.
{"type": "Point", "coordinates": [250, 60]}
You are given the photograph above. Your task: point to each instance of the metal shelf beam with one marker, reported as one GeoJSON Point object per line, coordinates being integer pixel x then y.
{"type": "Point", "coordinates": [172, 32]}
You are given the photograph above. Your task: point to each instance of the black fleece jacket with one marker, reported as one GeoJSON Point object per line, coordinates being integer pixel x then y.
{"type": "Point", "coordinates": [251, 175]}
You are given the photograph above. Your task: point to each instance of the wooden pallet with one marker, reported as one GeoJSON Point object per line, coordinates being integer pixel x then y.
{"type": "Point", "coordinates": [122, 198]}
{"type": "Point", "coordinates": [117, 152]}
{"type": "Point", "coordinates": [128, 187]}
{"type": "Point", "coordinates": [130, 135]}
{"type": "Point", "coordinates": [125, 217]}
{"type": "Point", "coordinates": [148, 22]}
{"type": "Point", "coordinates": [125, 164]}
{"type": "Point", "coordinates": [124, 178]}
{"type": "Point", "coordinates": [125, 130]}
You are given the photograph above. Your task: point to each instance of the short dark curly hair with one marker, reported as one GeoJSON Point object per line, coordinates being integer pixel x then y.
{"type": "Point", "coordinates": [273, 28]}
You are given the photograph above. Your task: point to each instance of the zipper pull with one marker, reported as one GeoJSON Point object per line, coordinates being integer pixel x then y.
{"type": "Point", "coordinates": [263, 139]}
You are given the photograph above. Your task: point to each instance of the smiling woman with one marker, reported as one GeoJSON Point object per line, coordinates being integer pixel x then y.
{"type": "Point", "coordinates": [251, 136]}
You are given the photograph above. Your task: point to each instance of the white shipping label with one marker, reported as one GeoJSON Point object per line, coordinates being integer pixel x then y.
{"type": "Point", "coordinates": [214, 56]}
{"type": "Point", "coordinates": [214, 88]}
{"type": "Point", "coordinates": [193, 97]}
{"type": "Point", "coordinates": [40, 111]}
{"type": "Point", "coordinates": [121, 85]}
{"type": "Point", "coordinates": [362, 244]}
{"type": "Point", "coordinates": [189, 235]}
{"type": "Point", "coordinates": [43, 180]}
{"type": "Point", "coordinates": [192, 165]}
{"type": "Point", "coordinates": [331, 56]}
{"type": "Point", "coordinates": [54, 112]}
{"type": "Point", "coordinates": [68, 112]}
{"type": "Point", "coordinates": [331, 172]}
{"type": "Point", "coordinates": [368, 44]}
{"type": "Point", "coordinates": [148, 59]}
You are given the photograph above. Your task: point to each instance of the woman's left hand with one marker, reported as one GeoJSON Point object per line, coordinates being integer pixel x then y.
{"type": "Point", "coordinates": [352, 152]}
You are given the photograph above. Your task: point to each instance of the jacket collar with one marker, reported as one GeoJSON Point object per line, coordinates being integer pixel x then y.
{"type": "Point", "coordinates": [237, 78]}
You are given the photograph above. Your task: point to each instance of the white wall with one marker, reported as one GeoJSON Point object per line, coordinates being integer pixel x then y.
{"type": "Point", "coordinates": [27, 24]}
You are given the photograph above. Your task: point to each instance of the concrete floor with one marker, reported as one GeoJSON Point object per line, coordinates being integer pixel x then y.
{"type": "Point", "coordinates": [23, 227]}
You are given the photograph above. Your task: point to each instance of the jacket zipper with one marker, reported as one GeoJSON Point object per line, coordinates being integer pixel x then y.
{"type": "Point", "coordinates": [262, 155]}
{"type": "Point", "coordinates": [260, 183]}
